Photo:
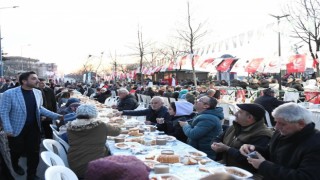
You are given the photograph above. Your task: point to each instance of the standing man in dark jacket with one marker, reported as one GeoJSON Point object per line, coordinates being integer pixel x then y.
{"type": "Point", "coordinates": [50, 103]}
{"type": "Point", "coordinates": [126, 101]}
{"type": "Point", "coordinates": [155, 110]}
{"type": "Point", "coordinates": [205, 126]}
{"type": "Point", "coordinates": [269, 102]}
{"type": "Point", "coordinates": [294, 150]}
{"type": "Point", "coordinates": [248, 128]}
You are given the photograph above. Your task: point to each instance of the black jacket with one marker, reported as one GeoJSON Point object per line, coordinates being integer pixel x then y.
{"type": "Point", "coordinates": [151, 115]}
{"type": "Point", "coordinates": [174, 128]}
{"type": "Point", "coordinates": [269, 103]}
{"type": "Point", "coordinates": [128, 103]}
{"type": "Point", "coordinates": [295, 157]}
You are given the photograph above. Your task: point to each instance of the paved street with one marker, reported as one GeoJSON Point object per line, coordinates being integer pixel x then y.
{"type": "Point", "coordinates": [41, 168]}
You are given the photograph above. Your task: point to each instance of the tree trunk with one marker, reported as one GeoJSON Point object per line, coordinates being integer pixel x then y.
{"type": "Point", "coordinates": [194, 73]}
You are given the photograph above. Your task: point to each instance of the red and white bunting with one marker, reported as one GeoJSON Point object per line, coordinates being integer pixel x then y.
{"type": "Point", "coordinates": [206, 62]}
{"type": "Point", "coordinates": [253, 65]}
{"type": "Point", "coordinates": [225, 65]}
{"type": "Point", "coordinates": [272, 65]}
{"type": "Point", "coordinates": [156, 69]}
{"type": "Point", "coordinates": [164, 68]}
{"type": "Point", "coordinates": [171, 66]}
{"type": "Point", "coordinates": [239, 66]}
{"type": "Point", "coordinates": [297, 63]}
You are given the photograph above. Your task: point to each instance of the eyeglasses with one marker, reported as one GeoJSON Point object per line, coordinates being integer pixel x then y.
{"type": "Point", "coordinates": [201, 100]}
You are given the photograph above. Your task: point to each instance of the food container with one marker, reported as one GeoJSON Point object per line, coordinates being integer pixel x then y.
{"type": "Point", "coordinates": [161, 141]}
{"type": "Point", "coordinates": [141, 130]}
{"type": "Point", "coordinates": [119, 139]}
{"type": "Point", "coordinates": [153, 128]}
{"type": "Point", "coordinates": [161, 168]}
{"type": "Point", "coordinates": [167, 152]}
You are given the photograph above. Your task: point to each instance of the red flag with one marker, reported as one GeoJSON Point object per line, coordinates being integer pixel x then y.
{"type": "Point", "coordinates": [254, 65]}
{"type": "Point", "coordinates": [297, 63]}
{"type": "Point", "coordinates": [206, 62]}
{"type": "Point", "coordinates": [195, 60]}
{"type": "Point", "coordinates": [315, 62]}
{"type": "Point", "coordinates": [224, 66]}
{"type": "Point", "coordinates": [171, 66]}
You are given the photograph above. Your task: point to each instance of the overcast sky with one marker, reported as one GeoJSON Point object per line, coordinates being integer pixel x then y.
{"type": "Point", "coordinates": [67, 31]}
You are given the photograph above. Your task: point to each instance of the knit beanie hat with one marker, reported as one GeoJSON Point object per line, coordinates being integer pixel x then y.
{"type": "Point", "coordinates": [183, 108]}
{"type": "Point", "coordinates": [72, 100]}
{"type": "Point", "coordinates": [117, 167]}
{"type": "Point", "coordinates": [87, 110]}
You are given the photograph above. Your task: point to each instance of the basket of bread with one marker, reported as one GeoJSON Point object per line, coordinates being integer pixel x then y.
{"type": "Point", "coordinates": [134, 132]}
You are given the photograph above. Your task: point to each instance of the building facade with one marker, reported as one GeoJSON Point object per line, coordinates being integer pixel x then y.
{"type": "Point", "coordinates": [12, 65]}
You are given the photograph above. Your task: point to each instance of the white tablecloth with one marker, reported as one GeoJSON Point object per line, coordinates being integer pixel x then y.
{"type": "Point", "coordinates": [184, 172]}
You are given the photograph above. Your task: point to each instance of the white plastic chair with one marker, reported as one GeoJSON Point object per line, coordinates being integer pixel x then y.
{"type": "Point", "coordinates": [61, 141]}
{"type": "Point", "coordinates": [141, 118]}
{"type": "Point", "coordinates": [226, 111]}
{"type": "Point", "coordinates": [267, 115]}
{"type": "Point", "coordinates": [108, 101]}
{"type": "Point", "coordinates": [291, 95]}
{"type": "Point", "coordinates": [60, 173]}
{"type": "Point", "coordinates": [53, 128]}
{"type": "Point", "coordinates": [166, 101]}
{"type": "Point", "coordinates": [172, 100]}
{"type": "Point", "coordinates": [139, 98]}
{"type": "Point", "coordinates": [51, 159]}
{"type": "Point", "coordinates": [51, 145]}
{"type": "Point", "coordinates": [147, 100]}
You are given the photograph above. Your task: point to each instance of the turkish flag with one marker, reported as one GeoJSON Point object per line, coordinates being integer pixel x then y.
{"type": "Point", "coordinates": [238, 66]}
{"type": "Point", "coordinates": [206, 62]}
{"type": "Point", "coordinates": [225, 65]}
{"type": "Point", "coordinates": [171, 66]}
{"type": "Point", "coordinates": [254, 65]}
{"type": "Point", "coordinates": [272, 65]}
{"type": "Point", "coordinates": [195, 60]}
{"type": "Point", "coordinates": [297, 63]}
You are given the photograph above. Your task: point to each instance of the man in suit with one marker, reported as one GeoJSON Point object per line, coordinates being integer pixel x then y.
{"type": "Point", "coordinates": [20, 110]}
{"type": "Point", "coordinates": [50, 103]}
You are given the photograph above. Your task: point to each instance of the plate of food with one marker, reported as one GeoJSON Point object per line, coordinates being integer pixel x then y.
{"type": "Point", "coordinates": [165, 177]}
{"type": "Point", "coordinates": [127, 145]}
{"type": "Point", "coordinates": [197, 154]}
{"type": "Point", "coordinates": [150, 163]}
{"type": "Point", "coordinates": [168, 138]}
{"type": "Point", "coordinates": [238, 172]}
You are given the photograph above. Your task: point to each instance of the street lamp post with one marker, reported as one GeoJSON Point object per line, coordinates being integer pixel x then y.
{"type": "Point", "coordinates": [1, 62]}
{"type": "Point", "coordinates": [279, 44]}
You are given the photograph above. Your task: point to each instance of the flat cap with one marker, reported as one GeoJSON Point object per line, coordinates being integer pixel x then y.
{"type": "Point", "coordinates": [256, 110]}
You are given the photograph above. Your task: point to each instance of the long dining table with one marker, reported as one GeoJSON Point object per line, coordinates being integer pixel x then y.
{"type": "Point", "coordinates": [180, 170]}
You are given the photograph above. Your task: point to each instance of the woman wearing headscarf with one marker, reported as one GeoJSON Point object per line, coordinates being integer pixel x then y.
{"type": "Point", "coordinates": [87, 137]}
{"type": "Point", "coordinates": [179, 111]}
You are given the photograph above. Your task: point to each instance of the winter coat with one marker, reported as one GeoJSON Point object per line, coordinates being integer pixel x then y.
{"type": "Point", "coordinates": [128, 103]}
{"type": "Point", "coordinates": [235, 136]}
{"type": "Point", "coordinates": [87, 141]}
{"type": "Point", "coordinates": [204, 127]}
{"type": "Point", "coordinates": [296, 157]}
{"type": "Point", "coordinates": [174, 128]}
